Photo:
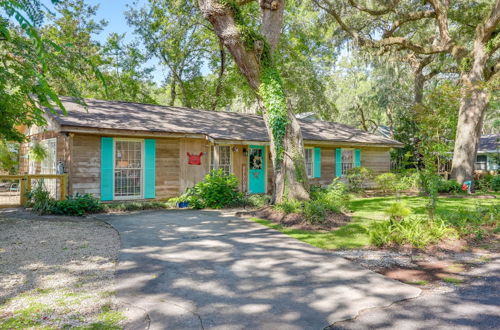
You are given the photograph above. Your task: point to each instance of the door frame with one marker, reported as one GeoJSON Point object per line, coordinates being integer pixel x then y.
{"type": "Point", "coordinates": [264, 156]}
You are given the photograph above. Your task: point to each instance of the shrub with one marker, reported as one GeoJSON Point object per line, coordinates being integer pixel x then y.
{"type": "Point", "coordinates": [495, 183]}
{"type": "Point", "coordinates": [387, 182]}
{"type": "Point", "coordinates": [407, 180]}
{"type": "Point", "coordinates": [257, 200]}
{"type": "Point", "coordinates": [289, 206]}
{"type": "Point", "coordinates": [335, 197]}
{"type": "Point", "coordinates": [217, 190]}
{"type": "Point", "coordinates": [136, 206]}
{"type": "Point", "coordinates": [397, 211]}
{"type": "Point", "coordinates": [315, 211]}
{"type": "Point", "coordinates": [77, 205]}
{"type": "Point", "coordinates": [473, 221]}
{"type": "Point", "coordinates": [449, 186]}
{"type": "Point", "coordinates": [357, 176]}
{"type": "Point", "coordinates": [485, 182]}
{"type": "Point", "coordinates": [39, 199]}
{"type": "Point", "coordinates": [418, 232]}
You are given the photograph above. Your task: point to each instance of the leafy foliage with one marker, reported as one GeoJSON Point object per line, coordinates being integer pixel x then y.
{"type": "Point", "coordinates": [39, 199]}
{"type": "Point", "coordinates": [357, 177]}
{"type": "Point", "coordinates": [449, 186]}
{"type": "Point", "coordinates": [289, 206]}
{"type": "Point", "coordinates": [333, 199]}
{"type": "Point", "coordinates": [77, 205]}
{"type": "Point", "coordinates": [42, 203]}
{"type": "Point", "coordinates": [386, 182]}
{"type": "Point", "coordinates": [415, 231]}
{"type": "Point", "coordinates": [495, 183]}
{"type": "Point", "coordinates": [217, 190]}
{"type": "Point", "coordinates": [37, 151]}
{"type": "Point", "coordinates": [272, 92]}
{"type": "Point", "coordinates": [398, 211]}
{"type": "Point", "coordinates": [9, 157]}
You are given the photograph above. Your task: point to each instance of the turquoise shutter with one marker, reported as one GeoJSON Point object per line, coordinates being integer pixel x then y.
{"type": "Point", "coordinates": [317, 162]}
{"type": "Point", "coordinates": [357, 157]}
{"type": "Point", "coordinates": [338, 162]}
{"type": "Point", "coordinates": [107, 168]}
{"type": "Point", "coordinates": [149, 168]}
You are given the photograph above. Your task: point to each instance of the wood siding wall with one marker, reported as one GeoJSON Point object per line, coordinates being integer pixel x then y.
{"type": "Point", "coordinates": [81, 156]}
{"type": "Point", "coordinates": [167, 168]}
{"type": "Point", "coordinates": [85, 167]}
{"type": "Point", "coordinates": [62, 150]}
{"type": "Point", "coordinates": [191, 174]}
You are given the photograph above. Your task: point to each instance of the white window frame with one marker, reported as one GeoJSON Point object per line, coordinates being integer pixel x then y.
{"type": "Point", "coordinates": [344, 168]}
{"type": "Point", "coordinates": [141, 196]}
{"type": "Point", "coordinates": [212, 162]}
{"type": "Point", "coordinates": [311, 175]}
{"type": "Point", "coordinates": [50, 146]}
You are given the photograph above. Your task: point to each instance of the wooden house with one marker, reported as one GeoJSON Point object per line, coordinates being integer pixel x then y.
{"type": "Point", "coordinates": [120, 150]}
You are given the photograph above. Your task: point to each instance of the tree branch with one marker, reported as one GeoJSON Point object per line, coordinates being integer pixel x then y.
{"type": "Point", "coordinates": [375, 12]}
{"type": "Point", "coordinates": [272, 20]}
{"type": "Point", "coordinates": [384, 42]}
{"type": "Point", "coordinates": [410, 17]}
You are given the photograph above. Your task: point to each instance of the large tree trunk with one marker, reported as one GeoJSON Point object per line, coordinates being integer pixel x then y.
{"type": "Point", "coordinates": [290, 179]}
{"type": "Point", "coordinates": [473, 105]}
{"type": "Point", "coordinates": [474, 100]}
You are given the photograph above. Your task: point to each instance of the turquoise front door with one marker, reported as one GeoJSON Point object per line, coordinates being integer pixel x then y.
{"type": "Point", "coordinates": [257, 170]}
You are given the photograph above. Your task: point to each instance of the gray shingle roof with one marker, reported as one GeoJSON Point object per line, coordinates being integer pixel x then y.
{"type": "Point", "coordinates": [218, 125]}
{"type": "Point", "coordinates": [489, 143]}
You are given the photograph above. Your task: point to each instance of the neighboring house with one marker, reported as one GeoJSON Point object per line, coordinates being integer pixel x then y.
{"type": "Point", "coordinates": [119, 150]}
{"type": "Point", "coordinates": [488, 153]}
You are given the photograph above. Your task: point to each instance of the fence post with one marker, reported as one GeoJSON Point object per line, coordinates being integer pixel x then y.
{"type": "Point", "coordinates": [63, 186]}
{"type": "Point", "coordinates": [23, 199]}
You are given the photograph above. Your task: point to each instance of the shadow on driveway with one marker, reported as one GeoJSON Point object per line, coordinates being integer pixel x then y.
{"type": "Point", "coordinates": [207, 269]}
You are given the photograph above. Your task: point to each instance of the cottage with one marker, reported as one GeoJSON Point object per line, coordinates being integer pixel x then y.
{"type": "Point", "coordinates": [488, 153]}
{"type": "Point", "coordinates": [119, 150]}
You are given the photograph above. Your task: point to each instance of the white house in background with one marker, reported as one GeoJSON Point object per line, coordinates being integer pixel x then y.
{"type": "Point", "coordinates": [488, 153]}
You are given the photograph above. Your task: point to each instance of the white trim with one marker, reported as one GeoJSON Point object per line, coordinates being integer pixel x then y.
{"type": "Point", "coordinates": [141, 196]}
{"type": "Point", "coordinates": [305, 162]}
{"type": "Point", "coordinates": [231, 157]}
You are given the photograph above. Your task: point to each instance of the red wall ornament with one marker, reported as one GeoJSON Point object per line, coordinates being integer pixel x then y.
{"type": "Point", "coordinates": [194, 159]}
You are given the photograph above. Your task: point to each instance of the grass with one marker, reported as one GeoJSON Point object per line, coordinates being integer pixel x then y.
{"type": "Point", "coordinates": [453, 280]}
{"type": "Point", "coordinates": [365, 212]}
{"type": "Point", "coordinates": [418, 282]}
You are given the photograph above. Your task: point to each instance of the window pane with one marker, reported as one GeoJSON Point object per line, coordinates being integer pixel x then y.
{"type": "Point", "coordinates": [128, 168]}
{"type": "Point", "coordinates": [225, 159]}
{"type": "Point", "coordinates": [309, 162]}
{"type": "Point", "coordinates": [347, 160]}
{"type": "Point", "coordinates": [255, 159]}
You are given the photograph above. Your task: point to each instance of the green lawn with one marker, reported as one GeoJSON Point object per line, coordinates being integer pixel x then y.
{"type": "Point", "coordinates": [367, 210]}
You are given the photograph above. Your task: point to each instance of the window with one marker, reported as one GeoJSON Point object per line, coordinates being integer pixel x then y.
{"type": "Point", "coordinates": [347, 160]}
{"type": "Point", "coordinates": [128, 169]}
{"type": "Point", "coordinates": [224, 159]}
{"type": "Point", "coordinates": [481, 162]}
{"type": "Point", "coordinates": [309, 162]}
{"type": "Point", "coordinates": [48, 165]}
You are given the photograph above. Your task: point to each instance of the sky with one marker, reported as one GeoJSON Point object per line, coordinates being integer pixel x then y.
{"type": "Point", "coordinates": [113, 12]}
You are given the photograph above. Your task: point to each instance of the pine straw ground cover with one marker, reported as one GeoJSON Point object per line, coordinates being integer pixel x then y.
{"type": "Point", "coordinates": [57, 274]}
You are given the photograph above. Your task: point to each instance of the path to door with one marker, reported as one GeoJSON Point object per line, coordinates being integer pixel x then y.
{"type": "Point", "coordinates": [208, 269]}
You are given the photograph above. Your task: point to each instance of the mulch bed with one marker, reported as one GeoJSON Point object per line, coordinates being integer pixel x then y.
{"type": "Point", "coordinates": [296, 221]}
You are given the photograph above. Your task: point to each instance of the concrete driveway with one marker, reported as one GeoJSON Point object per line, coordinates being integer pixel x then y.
{"type": "Point", "coordinates": [207, 269]}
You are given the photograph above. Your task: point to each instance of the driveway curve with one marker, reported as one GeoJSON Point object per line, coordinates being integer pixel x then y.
{"type": "Point", "coordinates": [210, 270]}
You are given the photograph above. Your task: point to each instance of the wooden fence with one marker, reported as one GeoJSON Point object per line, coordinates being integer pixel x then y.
{"type": "Point", "coordinates": [24, 185]}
